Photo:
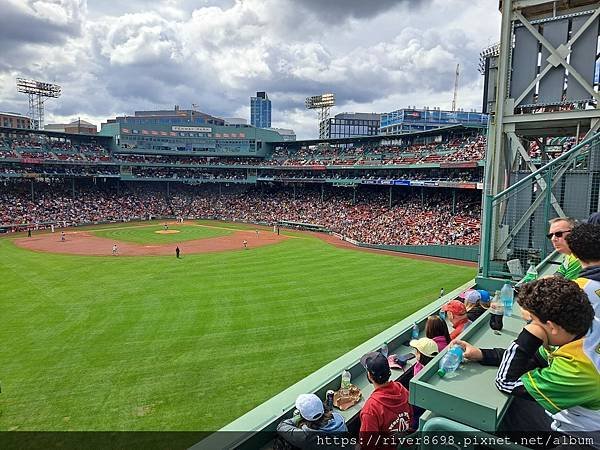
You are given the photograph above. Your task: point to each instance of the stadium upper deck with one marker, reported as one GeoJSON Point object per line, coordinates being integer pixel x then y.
{"type": "Point", "coordinates": [451, 157]}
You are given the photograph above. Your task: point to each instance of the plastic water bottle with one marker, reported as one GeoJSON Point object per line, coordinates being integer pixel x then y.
{"type": "Point", "coordinates": [451, 360]}
{"type": "Point", "coordinates": [507, 295]}
{"type": "Point", "coordinates": [415, 331]}
{"type": "Point", "coordinates": [345, 386]}
{"type": "Point", "coordinates": [442, 315]}
{"type": "Point", "coordinates": [385, 349]}
{"type": "Point", "coordinates": [532, 274]}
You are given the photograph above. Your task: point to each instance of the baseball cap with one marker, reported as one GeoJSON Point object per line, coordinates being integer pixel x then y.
{"type": "Point", "coordinates": [485, 296]}
{"type": "Point", "coordinates": [426, 346]}
{"type": "Point", "coordinates": [455, 307]}
{"type": "Point", "coordinates": [473, 297]}
{"type": "Point", "coordinates": [466, 293]}
{"type": "Point", "coordinates": [310, 406]}
{"type": "Point", "coordinates": [378, 365]}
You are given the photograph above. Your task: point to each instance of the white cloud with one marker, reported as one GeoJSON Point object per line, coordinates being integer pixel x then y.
{"type": "Point", "coordinates": [218, 53]}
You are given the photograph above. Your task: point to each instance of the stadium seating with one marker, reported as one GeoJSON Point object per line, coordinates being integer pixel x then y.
{"type": "Point", "coordinates": [414, 218]}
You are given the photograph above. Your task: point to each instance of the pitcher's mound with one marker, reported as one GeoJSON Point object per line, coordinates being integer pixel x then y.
{"type": "Point", "coordinates": [167, 231]}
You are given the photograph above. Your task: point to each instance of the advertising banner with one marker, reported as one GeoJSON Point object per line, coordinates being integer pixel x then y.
{"type": "Point", "coordinates": [196, 129]}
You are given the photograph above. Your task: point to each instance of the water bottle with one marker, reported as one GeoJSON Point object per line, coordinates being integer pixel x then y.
{"type": "Point", "coordinates": [345, 387]}
{"type": "Point", "coordinates": [531, 274]}
{"type": "Point", "coordinates": [442, 315]}
{"type": "Point", "coordinates": [507, 295]}
{"type": "Point", "coordinates": [415, 331]}
{"type": "Point", "coordinates": [385, 349]}
{"type": "Point", "coordinates": [451, 360]}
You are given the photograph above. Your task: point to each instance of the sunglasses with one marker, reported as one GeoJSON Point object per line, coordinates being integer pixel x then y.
{"type": "Point", "coordinates": [558, 234]}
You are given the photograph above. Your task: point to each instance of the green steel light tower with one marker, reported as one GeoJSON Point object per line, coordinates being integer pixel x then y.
{"type": "Point", "coordinates": [542, 157]}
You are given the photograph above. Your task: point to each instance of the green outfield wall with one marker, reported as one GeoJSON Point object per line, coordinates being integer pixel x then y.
{"type": "Point", "coordinates": [461, 252]}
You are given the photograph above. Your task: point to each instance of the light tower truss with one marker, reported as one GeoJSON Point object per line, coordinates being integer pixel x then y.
{"type": "Point", "coordinates": [323, 104]}
{"type": "Point", "coordinates": [37, 92]}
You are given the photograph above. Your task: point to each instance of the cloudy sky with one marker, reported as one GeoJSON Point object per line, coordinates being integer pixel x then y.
{"type": "Point", "coordinates": [115, 57]}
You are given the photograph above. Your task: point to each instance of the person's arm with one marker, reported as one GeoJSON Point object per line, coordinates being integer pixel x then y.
{"type": "Point", "coordinates": [491, 356]}
{"type": "Point", "coordinates": [518, 359]}
{"type": "Point", "coordinates": [289, 430]}
{"type": "Point", "coordinates": [369, 430]}
{"type": "Point", "coordinates": [368, 423]}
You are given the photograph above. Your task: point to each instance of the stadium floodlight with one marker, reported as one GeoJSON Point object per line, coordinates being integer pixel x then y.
{"type": "Point", "coordinates": [320, 101]}
{"type": "Point", "coordinates": [38, 92]}
{"type": "Point", "coordinates": [492, 51]}
{"type": "Point", "coordinates": [323, 103]}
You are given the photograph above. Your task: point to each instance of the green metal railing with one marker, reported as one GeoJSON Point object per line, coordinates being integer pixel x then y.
{"type": "Point", "coordinates": [516, 219]}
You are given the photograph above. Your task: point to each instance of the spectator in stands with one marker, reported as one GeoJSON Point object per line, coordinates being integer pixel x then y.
{"type": "Point", "coordinates": [584, 241]}
{"type": "Point", "coordinates": [426, 350]}
{"type": "Point", "coordinates": [457, 315]}
{"type": "Point", "coordinates": [594, 219]}
{"type": "Point", "coordinates": [552, 361]}
{"type": "Point", "coordinates": [476, 303]}
{"type": "Point", "coordinates": [386, 413]}
{"type": "Point", "coordinates": [560, 227]}
{"type": "Point", "coordinates": [437, 330]}
{"type": "Point", "coordinates": [310, 420]}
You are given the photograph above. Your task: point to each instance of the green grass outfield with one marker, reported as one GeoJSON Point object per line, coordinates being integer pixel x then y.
{"type": "Point", "coordinates": [147, 234]}
{"type": "Point", "coordinates": [156, 343]}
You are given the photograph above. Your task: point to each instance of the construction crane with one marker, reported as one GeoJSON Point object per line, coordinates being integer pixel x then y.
{"type": "Point", "coordinates": [455, 87]}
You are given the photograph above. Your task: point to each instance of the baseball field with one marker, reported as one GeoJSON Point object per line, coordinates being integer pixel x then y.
{"type": "Point", "coordinates": [146, 341]}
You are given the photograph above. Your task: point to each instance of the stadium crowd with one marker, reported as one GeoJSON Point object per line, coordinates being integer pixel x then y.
{"type": "Point", "coordinates": [416, 217]}
{"type": "Point", "coordinates": [459, 149]}
{"type": "Point", "coordinates": [411, 220]}
{"type": "Point", "coordinates": [54, 203]}
{"type": "Point", "coordinates": [465, 149]}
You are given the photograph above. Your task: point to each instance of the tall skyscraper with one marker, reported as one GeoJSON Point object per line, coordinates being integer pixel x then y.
{"type": "Point", "coordinates": [260, 110]}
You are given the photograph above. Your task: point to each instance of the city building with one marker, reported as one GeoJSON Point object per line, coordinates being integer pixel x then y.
{"type": "Point", "coordinates": [352, 124]}
{"type": "Point", "coordinates": [235, 121]}
{"type": "Point", "coordinates": [260, 110]}
{"type": "Point", "coordinates": [175, 116]}
{"type": "Point", "coordinates": [186, 132]}
{"type": "Point", "coordinates": [285, 133]}
{"type": "Point", "coordinates": [411, 119]}
{"type": "Point", "coordinates": [75, 127]}
{"type": "Point", "coordinates": [14, 120]}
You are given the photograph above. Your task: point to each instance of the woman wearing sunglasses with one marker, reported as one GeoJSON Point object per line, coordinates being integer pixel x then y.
{"type": "Point", "coordinates": [560, 227]}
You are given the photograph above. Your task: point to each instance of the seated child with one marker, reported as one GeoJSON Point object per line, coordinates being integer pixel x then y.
{"type": "Point", "coordinates": [426, 349]}
{"type": "Point", "coordinates": [457, 315]}
{"type": "Point", "coordinates": [476, 303]}
{"type": "Point", "coordinates": [436, 329]}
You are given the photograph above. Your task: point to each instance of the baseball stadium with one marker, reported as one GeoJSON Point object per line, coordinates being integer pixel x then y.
{"type": "Point", "coordinates": [177, 273]}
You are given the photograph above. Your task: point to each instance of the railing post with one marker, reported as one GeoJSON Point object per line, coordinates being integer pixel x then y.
{"type": "Point", "coordinates": [486, 235]}
{"type": "Point", "coordinates": [548, 180]}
